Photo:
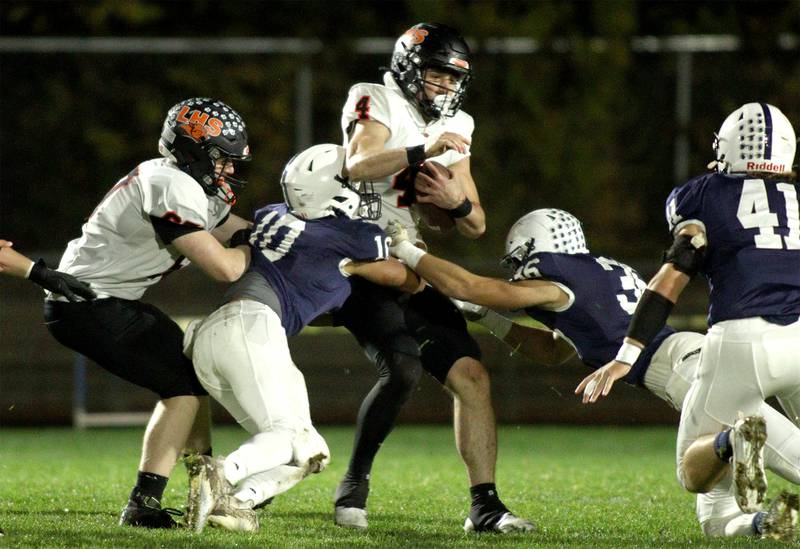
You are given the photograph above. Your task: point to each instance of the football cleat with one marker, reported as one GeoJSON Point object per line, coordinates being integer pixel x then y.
{"type": "Point", "coordinates": [471, 312]}
{"type": "Point", "coordinates": [146, 512]}
{"type": "Point", "coordinates": [350, 517]}
{"type": "Point", "coordinates": [781, 520]}
{"type": "Point", "coordinates": [508, 523]}
{"type": "Point", "coordinates": [748, 436]}
{"type": "Point", "coordinates": [231, 514]}
{"type": "Point", "coordinates": [207, 485]}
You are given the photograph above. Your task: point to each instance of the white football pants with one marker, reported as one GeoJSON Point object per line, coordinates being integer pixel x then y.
{"type": "Point", "coordinates": [670, 376]}
{"type": "Point", "coordinates": [242, 359]}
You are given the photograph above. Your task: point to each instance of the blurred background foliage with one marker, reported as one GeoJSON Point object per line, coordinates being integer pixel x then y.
{"type": "Point", "coordinates": [591, 130]}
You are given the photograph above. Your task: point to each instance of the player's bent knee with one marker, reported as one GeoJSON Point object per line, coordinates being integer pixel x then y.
{"type": "Point", "coordinates": [467, 374]}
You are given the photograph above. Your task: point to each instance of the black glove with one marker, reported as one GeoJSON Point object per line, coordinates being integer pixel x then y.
{"type": "Point", "coordinates": [60, 283]}
{"type": "Point", "coordinates": [240, 238]}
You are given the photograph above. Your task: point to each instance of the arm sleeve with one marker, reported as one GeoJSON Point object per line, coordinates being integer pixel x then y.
{"type": "Point", "coordinates": [179, 200]}
{"type": "Point", "coordinates": [684, 205]}
{"type": "Point", "coordinates": [168, 230]}
{"type": "Point", "coordinates": [366, 102]}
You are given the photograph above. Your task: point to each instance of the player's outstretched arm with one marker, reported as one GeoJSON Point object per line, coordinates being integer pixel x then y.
{"type": "Point", "coordinates": [457, 282]}
{"type": "Point", "coordinates": [205, 251]}
{"type": "Point", "coordinates": [389, 272]}
{"type": "Point", "coordinates": [15, 264]}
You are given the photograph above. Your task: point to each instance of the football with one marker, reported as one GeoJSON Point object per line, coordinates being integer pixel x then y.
{"type": "Point", "coordinates": [433, 216]}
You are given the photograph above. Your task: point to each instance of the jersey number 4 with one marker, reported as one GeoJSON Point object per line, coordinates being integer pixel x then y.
{"type": "Point", "coordinates": [754, 213]}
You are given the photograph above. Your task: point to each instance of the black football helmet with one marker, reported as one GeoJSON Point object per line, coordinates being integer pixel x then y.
{"type": "Point", "coordinates": [199, 131]}
{"type": "Point", "coordinates": [431, 45]}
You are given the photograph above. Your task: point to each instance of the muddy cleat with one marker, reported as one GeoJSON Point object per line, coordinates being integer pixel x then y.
{"type": "Point", "coordinates": [234, 515]}
{"type": "Point", "coordinates": [748, 436]}
{"type": "Point", "coordinates": [146, 512]}
{"type": "Point", "coordinates": [350, 517]}
{"type": "Point", "coordinates": [507, 524]}
{"type": "Point", "coordinates": [780, 521]}
{"type": "Point", "coordinates": [207, 485]}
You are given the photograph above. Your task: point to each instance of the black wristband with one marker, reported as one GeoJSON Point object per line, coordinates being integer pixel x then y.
{"type": "Point", "coordinates": [462, 210]}
{"type": "Point", "coordinates": [650, 317]}
{"type": "Point", "coordinates": [415, 155]}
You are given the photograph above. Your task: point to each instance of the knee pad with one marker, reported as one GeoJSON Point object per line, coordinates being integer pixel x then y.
{"type": "Point", "coordinates": [310, 451]}
{"type": "Point", "coordinates": [399, 369]}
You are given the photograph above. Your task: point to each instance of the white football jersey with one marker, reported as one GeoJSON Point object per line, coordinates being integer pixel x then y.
{"type": "Point", "coordinates": [119, 254]}
{"type": "Point", "coordinates": [387, 104]}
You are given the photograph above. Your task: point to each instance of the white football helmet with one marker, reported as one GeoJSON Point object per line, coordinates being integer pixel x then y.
{"type": "Point", "coordinates": [756, 137]}
{"type": "Point", "coordinates": [544, 230]}
{"type": "Point", "coordinates": [313, 186]}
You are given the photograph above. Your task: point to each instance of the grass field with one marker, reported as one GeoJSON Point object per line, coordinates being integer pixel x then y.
{"type": "Point", "coordinates": [583, 486]}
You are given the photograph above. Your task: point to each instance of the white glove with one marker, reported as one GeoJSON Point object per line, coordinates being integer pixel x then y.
{"type": "Point", "coordinates": [400, 246]}
{"type": "Point", "coordinates": [396, 232]}
{"type": "Point", "coordinates": [470, 311]}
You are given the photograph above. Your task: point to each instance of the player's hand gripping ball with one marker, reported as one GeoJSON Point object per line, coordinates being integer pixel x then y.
{"type": "Point", "coordinates": [432, 215]}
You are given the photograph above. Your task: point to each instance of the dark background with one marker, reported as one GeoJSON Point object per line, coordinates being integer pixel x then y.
{"type": "Point", "coordinates": [592, 116]}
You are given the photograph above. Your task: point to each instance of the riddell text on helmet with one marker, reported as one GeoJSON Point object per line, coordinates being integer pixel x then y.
{"type": "Point", "coordinates": [765, 167]}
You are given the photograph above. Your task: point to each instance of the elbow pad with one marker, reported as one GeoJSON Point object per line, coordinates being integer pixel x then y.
{"type": "Point", "coordinates": [686, 253]}
{"type": "Point", "coordinates": [650, 317]}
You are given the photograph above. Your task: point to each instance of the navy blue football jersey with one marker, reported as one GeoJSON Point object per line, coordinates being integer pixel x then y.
{"type": "Point", "coordinates": [605, 296]}
{"type": "Point", "coordinates": [752, 262]}
{"type": "Point", "coordinates": [302, 259]}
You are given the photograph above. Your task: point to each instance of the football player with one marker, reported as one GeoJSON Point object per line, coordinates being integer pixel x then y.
{"type": "Point", "coordinates": [585, 302]}
{"type": "Point", "coordinates": [303, 255]}
{"type": "Point", "coordinates": [390, 129]}
{"type": "Point", "coordinates": [740, 228]}
{"type": "Point", "coordinates": [165, 213]}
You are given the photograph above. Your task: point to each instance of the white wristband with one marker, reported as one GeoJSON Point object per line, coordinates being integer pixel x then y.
{"type": "Point", "coordinates": [409, 253]}
{"type": "Point", "coordinates": [497, 324]}
{"type": "Point", "coordinates": [28, 273]}
{"type": "Point", "coordinates": [628, 354]}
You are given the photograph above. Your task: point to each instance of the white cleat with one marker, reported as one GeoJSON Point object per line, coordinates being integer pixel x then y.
{"type": "Point", "coordinates": [748, 436]}
{"type": "Point", "coordinates": [508, 523]}
{"type": "Point", "coordinates": [781, 520]}
{"type": "Point", "coordinates": [234, 515]}
{"type": "Point", "coordinates": [350, 517]}
{"type": "Point", "coordinates": [207, 485]}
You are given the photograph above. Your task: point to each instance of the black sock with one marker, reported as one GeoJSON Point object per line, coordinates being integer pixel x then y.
{"type": "Point", "coordinates": [352, 491]}
{"type": "Point", "coordinates": [722, 445]}
{"type": "Point", "coordinates": [486, 508]}
{"type": "Point", "coordinates": [149, 485]}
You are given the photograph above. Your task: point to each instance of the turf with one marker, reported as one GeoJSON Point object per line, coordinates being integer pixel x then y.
{"type": "Point", "coordinates": [584, 486]}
